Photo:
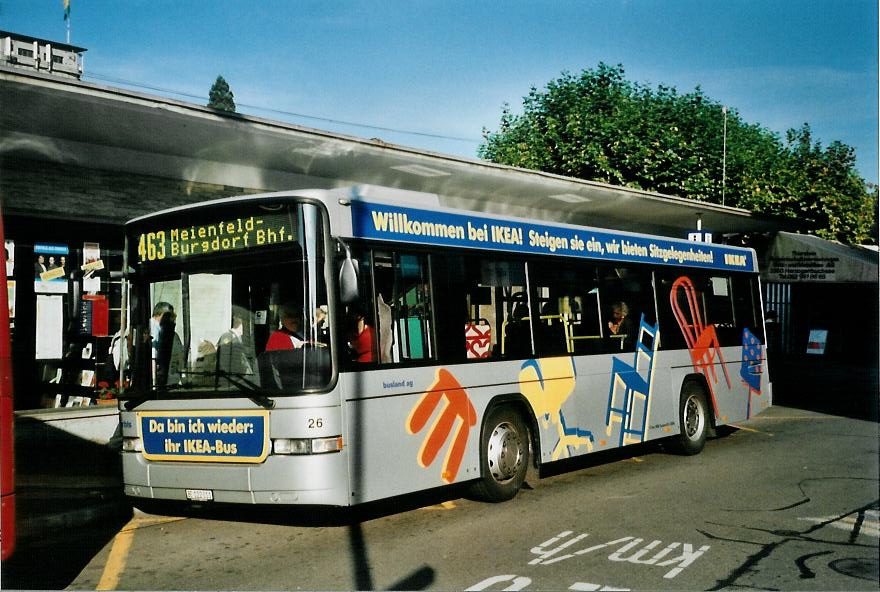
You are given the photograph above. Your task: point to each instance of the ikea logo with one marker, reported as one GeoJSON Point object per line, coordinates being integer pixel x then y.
{"type": "Point", "coordinates": [737, 260]}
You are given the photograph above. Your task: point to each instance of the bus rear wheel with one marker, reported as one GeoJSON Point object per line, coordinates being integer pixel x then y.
{"type": "Point", "coordinates": [504, 455]}
{"type": "Point", "coordinates": [693, 419]}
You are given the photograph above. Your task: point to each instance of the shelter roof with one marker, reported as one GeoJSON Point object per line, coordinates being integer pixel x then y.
{"type": "Point", "coordinates": [108, 128]}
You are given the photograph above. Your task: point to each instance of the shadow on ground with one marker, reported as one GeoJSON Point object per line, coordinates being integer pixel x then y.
{"type": "Point", "coordinates": [69, 505]}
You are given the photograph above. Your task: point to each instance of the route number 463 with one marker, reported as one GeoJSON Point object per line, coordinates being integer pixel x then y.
{"type": "Point", "coordinates": [151, 246]}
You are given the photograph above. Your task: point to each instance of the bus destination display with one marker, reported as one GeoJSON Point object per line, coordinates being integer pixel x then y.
{"type": "Point", "coordinates": [222, 236]}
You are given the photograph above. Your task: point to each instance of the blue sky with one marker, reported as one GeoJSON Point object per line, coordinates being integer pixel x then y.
{"type": "Point", "coordinates": [446, 68]}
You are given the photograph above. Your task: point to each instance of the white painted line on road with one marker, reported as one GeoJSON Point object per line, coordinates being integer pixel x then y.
{"type": "Point", "coordinates": [869, 525]}
{"type": "Point", "coordinates": [793, 417]}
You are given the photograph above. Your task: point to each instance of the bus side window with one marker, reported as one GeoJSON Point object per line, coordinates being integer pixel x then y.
{"type": "Point", "coordinates": [698, 303]}
{"type": "Point", "coordinates": [746, 303]}
{"type": "Point", "coordinates": [495, 321]}
{"type": "Point", "coordinates": [564, 326]}
{"type": "Point", "coordinates": [626, 300]}
{"type": "Point", "coordinates": [360, 331]}
{"type": "Point", "coordinates": [671, 336]}
{"type": "Point", "coordinates": [403, 299]}
{"type": "Point", "coordinates": [508, 314]}
{"type": "Point", "coordinates": [720, 310]}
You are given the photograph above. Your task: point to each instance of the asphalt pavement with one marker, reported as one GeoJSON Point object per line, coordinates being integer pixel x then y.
{"type": "Point", "coordinates": [69, 501]}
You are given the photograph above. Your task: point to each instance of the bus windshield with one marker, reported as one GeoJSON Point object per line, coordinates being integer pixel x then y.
{"type": "Point", "coordinates": [234, 303]}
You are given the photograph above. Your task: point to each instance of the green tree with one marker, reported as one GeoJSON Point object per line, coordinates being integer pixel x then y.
{"type": "Point", "coordinates": [600, 126]}
{"type": "Point", "coordinates": [220, 96]}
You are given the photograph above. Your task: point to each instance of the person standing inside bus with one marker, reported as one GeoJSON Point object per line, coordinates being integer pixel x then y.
{"type": "Point", "coordinates": [360, 337]}
{"type": "Point", "coordinates": [322, 327]}
{"type": "Point", "coordinates": [158, 310]}
{"type": "Point", "coordinates": [231, 353]}
{"type": "Point", "coordinates": [289, 335]}
{"type": "Point", "coordinates": [169, 351]}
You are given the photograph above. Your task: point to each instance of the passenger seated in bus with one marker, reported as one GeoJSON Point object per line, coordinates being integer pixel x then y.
{"type": "Point", "coordinates": [622, 327]}
{"type": "Point", "coordinates": [360, 337]}
{"type": "Point", "coordinates": [322, 327]}
{"type": "Point", "coordinates": [205, 364]}
{"type": "Point", "coordinates": [288, 335]}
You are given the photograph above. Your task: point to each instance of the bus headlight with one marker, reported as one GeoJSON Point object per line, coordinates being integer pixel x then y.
{"type": "Point", "coordinates": [306, 445]}
{"type": "Point", "coordinates": [132, 445]}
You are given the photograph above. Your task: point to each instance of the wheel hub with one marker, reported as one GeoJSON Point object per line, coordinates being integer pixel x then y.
{"type": "Point", "coordinates": [693, 418]}
{"type": "Point", "coordinates": [505, 452]}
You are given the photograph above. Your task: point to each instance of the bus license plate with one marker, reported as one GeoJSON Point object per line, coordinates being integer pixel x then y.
{"type": "Point", "coordinates": [200, 495]}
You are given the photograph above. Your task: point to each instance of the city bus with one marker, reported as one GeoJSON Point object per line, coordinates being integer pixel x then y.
{"type": "Point", "coordinates": [7, 441]}
{"type": "Point", "coordinates": [336, 347]}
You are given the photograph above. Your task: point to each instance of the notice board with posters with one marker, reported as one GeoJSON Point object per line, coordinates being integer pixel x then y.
{"type": "Point", "coordinates": [804, 258]}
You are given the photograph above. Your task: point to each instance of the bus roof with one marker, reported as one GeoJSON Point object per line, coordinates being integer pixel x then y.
{"type": "Point", "coordinates": [380, 213]}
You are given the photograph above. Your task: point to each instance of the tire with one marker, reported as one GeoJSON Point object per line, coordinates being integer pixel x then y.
{"type": "Point", "coordinates": [693, 416]}
{"type": "Point", "coordinates": [504, 455]}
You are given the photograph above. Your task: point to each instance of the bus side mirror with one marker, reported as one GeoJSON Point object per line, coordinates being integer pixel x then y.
{"type": "Point", "coordinates": [348, 279]}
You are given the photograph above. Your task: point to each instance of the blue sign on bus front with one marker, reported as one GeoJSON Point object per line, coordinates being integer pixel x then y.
{"type": "Point", "coordinates": [212, 436]}
{"type": "Point", "coordinates": [432, 227]}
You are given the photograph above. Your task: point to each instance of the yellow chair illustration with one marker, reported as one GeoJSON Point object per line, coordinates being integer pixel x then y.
{"type": "Point", "coordinates": [547, 383]}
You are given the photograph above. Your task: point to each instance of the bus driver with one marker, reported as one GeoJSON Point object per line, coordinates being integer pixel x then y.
{"type": "Point", "coordinates": [289, 335]}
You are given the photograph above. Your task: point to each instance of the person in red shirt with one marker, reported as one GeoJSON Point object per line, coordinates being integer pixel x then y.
{"type": "Point", "coordinates": [360, 338]}
{"type": "Point", "coordinates": [289, 335]}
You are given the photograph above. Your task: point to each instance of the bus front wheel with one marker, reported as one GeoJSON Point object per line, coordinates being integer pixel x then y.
{"type": "Point", "coordinates": [693, 419]}
{"type": "Point", "coordinates": [504, 455]}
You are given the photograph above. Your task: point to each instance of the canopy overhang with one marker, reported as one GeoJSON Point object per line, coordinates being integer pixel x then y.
{"type": "Point", "coordinates": [105, 128]}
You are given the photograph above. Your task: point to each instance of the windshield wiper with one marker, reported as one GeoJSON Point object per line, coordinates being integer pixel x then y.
{"type": "Point", "coordinates": [238, 380]}
{"type": "Point", "coordinates": [131, 403]}
{"type": "Point", "coordinates": [255, 393]}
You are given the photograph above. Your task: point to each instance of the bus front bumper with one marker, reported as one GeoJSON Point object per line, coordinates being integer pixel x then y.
{"type": "Point", "coordinates": [320, 479]}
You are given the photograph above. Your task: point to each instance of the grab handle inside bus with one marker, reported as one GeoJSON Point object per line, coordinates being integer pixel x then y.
{"type": "Point", "coordinates": [348, 277]}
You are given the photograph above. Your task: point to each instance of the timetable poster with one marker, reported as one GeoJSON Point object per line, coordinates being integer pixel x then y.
{"type": "Point", "coordinates": [91, 265]}
{"type": "Point", "coordinates": [50, 327]}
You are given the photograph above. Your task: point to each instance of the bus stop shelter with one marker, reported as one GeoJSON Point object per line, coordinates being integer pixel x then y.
{"type": "Point", "coordinates": [825, 298]}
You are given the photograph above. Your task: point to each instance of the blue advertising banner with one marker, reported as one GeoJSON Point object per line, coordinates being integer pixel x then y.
{"type": "Point", "coordinates": [208, 436]}
{"type": "Point", "coordinates": [410, 225]}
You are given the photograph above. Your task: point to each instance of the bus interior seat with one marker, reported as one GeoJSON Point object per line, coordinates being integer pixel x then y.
{"type": "Point", "coordinates": [517, 341]}
{"type": "Point", "coordinates": [478, 338]}
{"type": "Point", "coordinates": [552, 331]}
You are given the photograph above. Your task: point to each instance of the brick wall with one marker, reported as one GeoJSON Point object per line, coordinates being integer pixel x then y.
{"type": "Point", "coordinates": [75, 194]}
{"type": "Point", "coordinates": [69, 204]}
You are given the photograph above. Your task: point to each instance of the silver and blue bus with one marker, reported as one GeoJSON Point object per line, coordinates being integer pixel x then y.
{"type": "Point", "coordinates": [335, 347]}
